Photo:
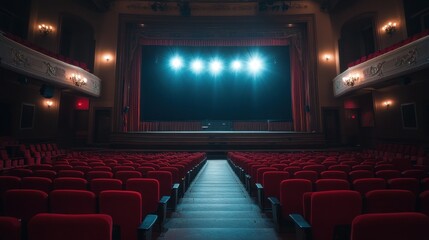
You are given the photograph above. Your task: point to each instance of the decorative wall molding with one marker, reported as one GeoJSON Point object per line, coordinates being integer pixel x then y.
{"type": "Point", "coordinates": [403, 60]}
{"type": "Point", "coordinates": [19, 58]}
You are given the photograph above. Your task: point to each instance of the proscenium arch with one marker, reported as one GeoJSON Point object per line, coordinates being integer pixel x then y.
{"type": "Point", "coordinates": [133, 27]}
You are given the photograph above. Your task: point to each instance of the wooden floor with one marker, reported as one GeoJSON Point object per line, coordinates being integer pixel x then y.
{"type": "Point", "coordinates": [216, 206]}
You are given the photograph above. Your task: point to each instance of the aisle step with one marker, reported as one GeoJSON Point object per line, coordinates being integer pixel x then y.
{"type": "Point", "coordinates": [217, 206]}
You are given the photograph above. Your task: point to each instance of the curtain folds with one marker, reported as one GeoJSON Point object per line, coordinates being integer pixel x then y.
{"type": "Point", "coordinates": [299, 87]}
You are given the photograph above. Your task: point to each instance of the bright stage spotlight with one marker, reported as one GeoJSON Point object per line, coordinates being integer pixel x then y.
{"type": "Point", "coordinates": [255, 65]}
{"type": "Point", "coordinates": [197, 66]}
{"type": "Point", "coordinates": [176, 63]}
{"type": "Point", "coordinates": [236, 65]}
{"type": "Point", "coordinates": [216, 66]}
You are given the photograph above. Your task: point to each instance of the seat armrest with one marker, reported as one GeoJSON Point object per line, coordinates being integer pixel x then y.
{"type": "Point", "coordinates": [302, 227]}
{"type": "Point", "coordinates": [276, 211]}
{"type": "Point", "coordinates": [164, 199]}
{"type": "Point", "coordinates": [274, 201]}
{"type": "Point", "coordinates": [162, 210]}
{"type": "Point", "coordinates": [145, 228]}
{"type": "Point", "coordinates": [247, 182]}
{"type": "Point", "coordinates": [260, 195]}
{"type": "Point", "coordinates": [174, 197]}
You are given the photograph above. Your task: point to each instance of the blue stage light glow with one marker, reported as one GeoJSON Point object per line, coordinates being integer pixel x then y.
{"type": "Point", "coordinates": [255, 65]}
{"type": "Point", "coordinates": [176, 63]}
{"type": "Point", "coordinates": [236, 65]}
{"type": "Point", "coordinates": [216, 66]}
{"type": "Point", "coordinates": [197, 66]}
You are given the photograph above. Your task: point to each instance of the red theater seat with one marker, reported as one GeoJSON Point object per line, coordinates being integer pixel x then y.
{"type": "Point", "coordinates": [334, 174]}
{"type": "Point", "coordinates": [143, 170]}
{"type": "Point", "coordinates": [72, 202]}
{"type": "Point", "coordinates": [152, 200]}
{"type": "Point", "coordinates": [306, 174]}
{"type": "Point", "coordinates": [125, 175]}
{"type": "Point", "coordinates": [424, 202]}
{"type": "Point", "coordinates": [70, 183]}
{"type": "Point", "coordinates": [60, 167]}
{"type": "Point", "coordinates": [291, 199]}
{"type": "Point", "coordinates": [388, 174]}
{"type": "Point", "coordinates": [344, 168]}
{"type": "Point", "coordinates": [315, 167]}
{"type": "Point", "coordinates": [10, 228]}
{"type": "Point", "coordinates": [365, 185]}
{"type": "Point", "coordinates": [331, 184]}
{"type": "Point", "coordinates": [49, 226]}
{"type": "Point", "coordinates": [21, 172]}
{"type": "Point", "coordinates": [292, 169]}
{"type": "Point", "coordinates": [125, 208]}
{"type": "Point", "coordinates": [410, 184]}
{"type": "Point", "coordinates": [122, 168]}
{"type": "Point", "coordinates": [358, 174]}
{"type": "Point", "coordinates": [38, 183]}
{"type": "Point", "coordinates": [9, 182]}
{"type": "Point", "coordinates": [71, 173]}
{"type": "Point", "coordinates": [330, 214]}
{"type": "Point", "coordinates": [98, 174]}
{"type": "Point", "coordinates": [166, 186]}
{"type": "Point", "coordinates": [25, 203]}
{"type": "Point", "coordinates": [102, 168]}
{"type": "Point", "coordinates": [389, 200]}
{"type": "Point", "coordinates": [391, 226]}
{"type": "Point", "coordinates": [414, 173]}
{"type": "Point", "coordinates": [100, 184]}
{"type": "Point", "coordinates": [45, 173]}
{"type": "Point", "coordinates": [270, 186]}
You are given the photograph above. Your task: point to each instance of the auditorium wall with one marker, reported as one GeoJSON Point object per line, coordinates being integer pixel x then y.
{"type": "Point", "coordinates": [30, 116]}
{"type": "Point", "coordinates": [106, 29]}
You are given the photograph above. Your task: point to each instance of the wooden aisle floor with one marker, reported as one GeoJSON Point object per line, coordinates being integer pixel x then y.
{"type": "Point", "coordinates": [217, 206]}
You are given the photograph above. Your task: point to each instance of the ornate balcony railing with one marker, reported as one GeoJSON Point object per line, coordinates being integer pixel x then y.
{"type": "Point", "coordinates": [405, 59]}
{"type": "Point", "coordinates": [27, 61]}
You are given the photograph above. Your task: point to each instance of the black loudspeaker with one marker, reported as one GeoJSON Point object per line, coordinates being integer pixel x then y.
{"type": "Point", "coordinates": [47, 91]}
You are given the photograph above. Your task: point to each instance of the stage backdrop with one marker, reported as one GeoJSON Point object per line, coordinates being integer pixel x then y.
{"type": "Point", "coordinates": [297, 92]}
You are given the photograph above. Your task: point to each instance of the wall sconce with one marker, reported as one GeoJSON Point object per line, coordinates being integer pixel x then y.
{"type": "Point", "coordinates": [49, 103]}
{"type": "Point", "coordinates": [390, 28]}
{"type": "Point", "coordinates": [45, 29]}
{"type": "Point", "coordinates": [78, 80]}
{"type": "Point", "coordinates": [350, 79]}
{"type": "Point", "coordinates": [107, 57]}
{"type": "Point", "coordinates": [327, 57]}
{"type": "Point", "coordinates": [387, 103]}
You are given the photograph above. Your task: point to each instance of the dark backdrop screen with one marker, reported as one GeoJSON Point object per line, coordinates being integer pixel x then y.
{"type": "Point", "coordinates": [168, 95]}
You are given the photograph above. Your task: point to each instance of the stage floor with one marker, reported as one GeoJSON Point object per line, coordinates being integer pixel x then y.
{"type": "Point", "coordinates": [217, 140]}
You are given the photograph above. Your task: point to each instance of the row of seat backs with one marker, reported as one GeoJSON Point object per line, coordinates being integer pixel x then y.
{"type": "Point", "coordinates": [49, 226]}
{"type": "Point", "coordinates": [165, 179]}
{"type": "Point", "coordinates": [330, 209]}
{"type": "Point", "coordinates": [295, 198]}
{"type": "Point", "coordinates": [178, 172]}
{"type": "Point", "coordinates": [271, 182]}
{"type": "Point", "coordinates": [126, 207]}
{"type": "Point", "coordinates": [77, 200]}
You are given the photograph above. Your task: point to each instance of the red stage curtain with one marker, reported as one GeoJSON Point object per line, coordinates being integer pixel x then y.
{"type": "Point", "coordinates": [299, 88]}
{"type": "Point", "coordinates": [299, 80]}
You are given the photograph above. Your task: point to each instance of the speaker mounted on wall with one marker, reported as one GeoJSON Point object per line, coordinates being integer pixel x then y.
{"type": "Point", "coordinates": [47, 91]}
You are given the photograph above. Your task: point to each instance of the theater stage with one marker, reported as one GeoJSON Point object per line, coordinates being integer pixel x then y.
{"type": "Point", "coordinates": [217, 140]}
